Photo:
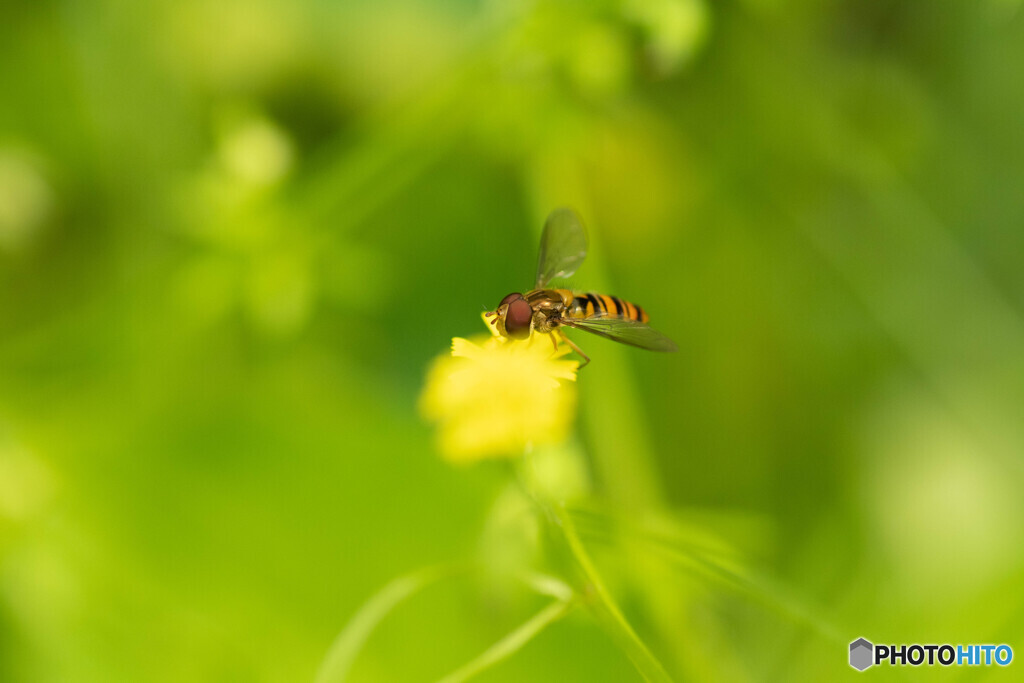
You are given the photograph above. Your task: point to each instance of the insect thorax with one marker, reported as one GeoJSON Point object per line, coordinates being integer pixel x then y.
{"type": "Point", "coordinates": [548, 306]}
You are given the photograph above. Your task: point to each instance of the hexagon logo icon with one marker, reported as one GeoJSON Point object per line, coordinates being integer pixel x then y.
{"type": "Point", "coordinates": [861, 654]}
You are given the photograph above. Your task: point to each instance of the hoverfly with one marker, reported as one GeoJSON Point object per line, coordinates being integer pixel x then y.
{"type": "Point", "coordinates": [563, 246]}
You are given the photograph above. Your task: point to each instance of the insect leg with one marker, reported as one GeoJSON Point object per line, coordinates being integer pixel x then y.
{"type": "Point", "coordinates": [586, 358]}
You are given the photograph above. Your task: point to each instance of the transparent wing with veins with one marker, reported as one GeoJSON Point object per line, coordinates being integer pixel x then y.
{"type": "Point", "coordinates": [563, 246]}
{"type": "Point", "coordinates": [624, 331]}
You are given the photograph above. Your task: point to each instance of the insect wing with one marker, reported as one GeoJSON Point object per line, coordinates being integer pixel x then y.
{"type": "Point", "coordinates": [625, 331]}
{"type": "Point", "coordinates": [563, 246]}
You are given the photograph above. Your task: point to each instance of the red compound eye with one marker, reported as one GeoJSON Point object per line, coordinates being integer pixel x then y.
{"type": "Point", "coordinates": [517, 319]}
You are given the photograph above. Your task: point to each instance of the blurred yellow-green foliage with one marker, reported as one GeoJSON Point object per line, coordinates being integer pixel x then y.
{"type": "Point", "coordinates": [233, 235]}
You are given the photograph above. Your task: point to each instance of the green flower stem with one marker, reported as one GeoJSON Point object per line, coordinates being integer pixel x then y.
{"type": "Point", "coordinates": [350, 641]}
{"type": "Point", "coordinates": [604, 607]}
{"type": "Point", "coordinates": [512, 643]}
{"type": "Point", "coordinates": [593, 592]}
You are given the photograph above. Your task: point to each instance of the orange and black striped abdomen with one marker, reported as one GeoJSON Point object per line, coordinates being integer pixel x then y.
{"type": "Point", "coordinates": [590, 305]}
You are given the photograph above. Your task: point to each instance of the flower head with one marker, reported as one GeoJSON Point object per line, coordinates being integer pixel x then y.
{"type": "Point", "coordinates": [493, 397]}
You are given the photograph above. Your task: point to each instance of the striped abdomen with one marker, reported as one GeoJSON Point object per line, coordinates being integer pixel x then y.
{"type": "Point", "coordinates": [587, 305]}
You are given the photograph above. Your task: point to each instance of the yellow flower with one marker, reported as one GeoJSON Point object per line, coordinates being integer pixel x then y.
{"type": "Point", "coordinates": [494, 397]}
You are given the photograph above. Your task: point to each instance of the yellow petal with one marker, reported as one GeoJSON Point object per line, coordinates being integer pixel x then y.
{"type": "Point", "coordinates": [494, 397]}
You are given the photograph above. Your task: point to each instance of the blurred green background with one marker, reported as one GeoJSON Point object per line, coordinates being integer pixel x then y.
{"type": "Point", "coordinates": [233, 235]}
